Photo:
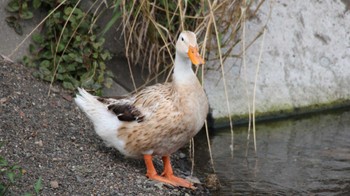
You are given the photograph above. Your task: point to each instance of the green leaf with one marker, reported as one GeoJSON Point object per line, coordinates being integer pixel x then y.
{"type": "Point", "coordinates": [38, 186]}
{"type": "Point", "coordinates": [18, 28]}
{"type": "Point", "coordinates": [71, 67]}
{"type": "Point", "coordinates": [26, 15]}
{"type": "Point", "coordinates": [87, 51]}
{"type": "Point", "coordinates": [36, 4]}
{"type": "Point", "coordinates": [24, 5]}
{"type": "Point", "coordinates": [12, 6]}
{"type": "Point", "coordinates": [102, 66]}
{"type": "Point", "coordinates": [110, 23]}
{"type": "Point", "coordinates": [3, 189]}
{"type": "Point", "coordinates": [95, 55]}
{"type": "Point", "coordinates": [59, 77]}
{"type": "Point", "coordinates": [77, 38]}
{"type": "Point", "coordinates": [92, 38]}
{"type": "Point", "coordinates": [11, 177]}
{"type": "Point", "coordinates": [97, 45]}
{"type": "Point", "coordinates": [16, 167]}
{"type": "Point", "coordinates": [57, 15]}
{"type": "Point", "coordinates": [68, 10]}
{"type": "Point", "coordinates": [73, 21]}
{"type": "Point", "coordinates": [72, 55]}
{"type": "Point", "coordinates": [87, 80]}
{"type": "Point", "coordinates": [108, 82]}
{"type": "Point", "coordinates": [105, 55]}
{"type": "Point", "coordinates": [37, 74]}
{"type": "Point", "coordinates": [13, 23]}
{"type": "Point", "coordinates": [47, 54]}
{"type": "Point", "coordinates": [60, 47]}
{"type": "Point", "coordinates": [45, 63]}
{"type": "Point", "coordinates": [61, 69]}
{"type": "Point", "coordinates": [45, 71]}
{"type": "Point", "coordinates": [37, 38]}
{"type": "Point", "coordinates": [3, 162]}
{"type": "Point", "coordinates": [67, 58]}
{"type": "Point", "coordinates": [109, 74]}
{"type": "Point", "coordinates": [68, 85]}
{"type": "Point", "coordinates": [11, 20]}
{"type": "Point", "coordinates": [31, 48]}
{"type": "Point", "coordinates": [100, 78]}
{"type": "Point", "coordinates": [79, 59]}
{"type": "Point", "coordinates": [74, 82]}
{"type": "Point", "coordinates": [47, 78]}
{"type": "Point", "coordinates": [79, 14]}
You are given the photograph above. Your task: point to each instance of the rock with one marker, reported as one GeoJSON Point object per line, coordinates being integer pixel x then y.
{"type": "Point", "coordinates": [3, 100]}
{"type": "Point", "coordinates": [182, 155]}
{"type": "Point", "coordinates": [212, 182]}
{"type": "Point", "coordinates": [193, 179]}
{"type": "Point", "coordinates": [54, 184]}
{"type": "Point", "coordinates": [40, 143]}
{"type": "Point", "coordinates": [159, 185]}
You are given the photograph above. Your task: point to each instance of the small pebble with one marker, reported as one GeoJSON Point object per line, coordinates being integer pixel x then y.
{"type": "Point", "coordinates": [193, 179]}
{"type": "Point", "coordinates": [54, 184]}
{"type": "Point", "coordinates": [159, 185]}
{"type": "Point", "coordinates": [40, 143]}
{"type": "Point", "coordinates": [212, 182]}
{"type": "Point", "coordinates": [182, 155]}
{"type": "Point", "coordinates": [79, 179]}
{"type": "Point", "coordinates": [55, 90]}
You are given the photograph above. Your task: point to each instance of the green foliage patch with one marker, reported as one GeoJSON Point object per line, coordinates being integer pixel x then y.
{"type": "Point", "coordinates": [67, 49]}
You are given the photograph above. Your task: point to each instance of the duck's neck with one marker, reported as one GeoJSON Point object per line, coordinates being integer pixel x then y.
{"type": "Point", "coordinates": [183, 72]}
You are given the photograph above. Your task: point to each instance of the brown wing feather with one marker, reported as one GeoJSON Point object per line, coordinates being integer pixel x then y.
{"type": "Point", "coordinates": [122, 107]}
{"type": "Point", "coordinates": [126, 112]}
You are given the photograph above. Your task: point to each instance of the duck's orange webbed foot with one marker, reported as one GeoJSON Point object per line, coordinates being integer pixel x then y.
{"type": "Point", "coordinates": [167, 176]}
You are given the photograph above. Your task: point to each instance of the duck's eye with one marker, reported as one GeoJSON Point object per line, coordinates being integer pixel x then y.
{"type": "Point", "coordinates": [182, 39]}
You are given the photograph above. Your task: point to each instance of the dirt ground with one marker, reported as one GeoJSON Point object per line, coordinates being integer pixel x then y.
{"type": "Point", "coordinates": [51, 138]}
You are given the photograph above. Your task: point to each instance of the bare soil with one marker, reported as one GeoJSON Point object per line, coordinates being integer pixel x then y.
{"type": "Point", "coordinates": [51, 138]}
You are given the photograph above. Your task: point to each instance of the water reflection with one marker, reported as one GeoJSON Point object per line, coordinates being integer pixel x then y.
{"type": "Point", "coordinates": [308, 156]}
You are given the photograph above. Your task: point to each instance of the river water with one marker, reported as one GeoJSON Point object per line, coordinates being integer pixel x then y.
{"type": "Point", "coordinates": [299, 156]}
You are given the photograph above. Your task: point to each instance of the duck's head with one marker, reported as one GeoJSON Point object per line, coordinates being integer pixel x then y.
{"type": "Point", "coordinates": [187, 47]}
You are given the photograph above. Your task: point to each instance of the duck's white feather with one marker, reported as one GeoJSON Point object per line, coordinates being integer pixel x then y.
{"type": "Point", "coordinates": [106, 123]}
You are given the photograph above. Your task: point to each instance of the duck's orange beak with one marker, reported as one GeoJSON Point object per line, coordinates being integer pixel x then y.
{"type": "Point", "coordinates": [194, 56]}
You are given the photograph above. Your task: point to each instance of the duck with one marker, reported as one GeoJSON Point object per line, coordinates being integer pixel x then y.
{"type": "Point", "coordinates": [157, 120]}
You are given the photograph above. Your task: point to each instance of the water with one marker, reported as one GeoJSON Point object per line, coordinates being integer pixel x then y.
{"type": "Point", "coordinates": [306, 156]}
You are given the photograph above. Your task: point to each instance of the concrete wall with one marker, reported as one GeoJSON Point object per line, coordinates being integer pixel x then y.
{"type": "Point", "coordinates": [305, 60]}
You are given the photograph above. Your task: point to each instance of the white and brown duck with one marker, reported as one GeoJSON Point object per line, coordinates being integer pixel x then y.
{"type": "Point", "coordinates": [157, 120]}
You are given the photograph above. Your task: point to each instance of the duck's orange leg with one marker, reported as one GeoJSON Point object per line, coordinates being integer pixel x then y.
{"type": "Point", "coordinates": [169, 174]}
{"type": "Point", "coordinates": [152, 173]}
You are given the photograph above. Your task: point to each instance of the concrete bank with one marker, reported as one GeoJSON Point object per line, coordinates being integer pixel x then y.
{"type": "Point", "coordinates": [304, 65]}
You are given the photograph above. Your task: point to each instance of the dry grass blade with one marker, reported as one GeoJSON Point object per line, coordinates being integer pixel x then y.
{"type": "Point", "coordinates": [244, 48]}
{"type": "Point", "coordinates": [209, 146]}
{"type": "Point", "coordinates": [222, 68]}
{"type": "Point", "coordinates": [255, 83]}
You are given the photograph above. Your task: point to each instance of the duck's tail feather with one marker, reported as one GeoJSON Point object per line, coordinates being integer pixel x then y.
{"type": "Point", "coordinates": [105, 122]}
